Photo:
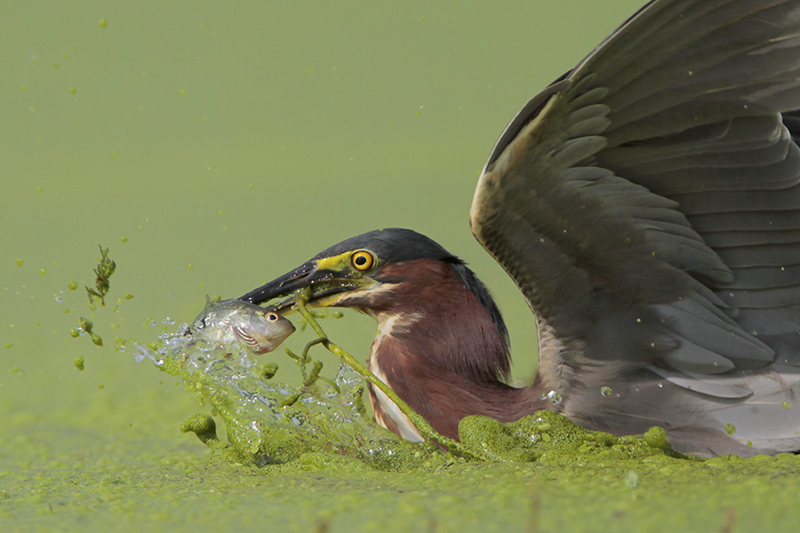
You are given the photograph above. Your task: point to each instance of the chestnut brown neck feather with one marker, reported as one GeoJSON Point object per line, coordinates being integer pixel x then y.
{"type": "Point", "coordinates": [440, 350]}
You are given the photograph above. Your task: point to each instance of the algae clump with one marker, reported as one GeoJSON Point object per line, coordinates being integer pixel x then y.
{"type": "Point", "coordinates": [551, 437]}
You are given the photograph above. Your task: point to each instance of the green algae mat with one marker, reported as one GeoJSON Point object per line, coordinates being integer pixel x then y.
{"type": "Point", "coordinates": [210, 147]}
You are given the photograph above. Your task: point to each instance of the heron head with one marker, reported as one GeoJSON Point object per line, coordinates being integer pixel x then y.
{"type": "Point", "coordinates": [380, 271]}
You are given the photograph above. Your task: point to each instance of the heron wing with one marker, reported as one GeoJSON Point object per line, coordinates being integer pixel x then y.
{"type": "Point", "coordinates": [647, 204]}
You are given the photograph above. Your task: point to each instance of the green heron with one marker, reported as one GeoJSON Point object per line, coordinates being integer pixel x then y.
{"type": "Point", "coordinates": [647, 204]}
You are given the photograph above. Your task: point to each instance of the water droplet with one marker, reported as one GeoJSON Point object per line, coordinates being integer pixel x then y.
{"type": "Point", "coordinates": [660, 385]}
{"type": "Point", "coordinates": [554, 397]}
{"type": "Point", "coordinates": [58, 296]}
{"type": "Point", "coordinates": [606, 391]}
{"type": "Point", "coordinates": [730, 429]}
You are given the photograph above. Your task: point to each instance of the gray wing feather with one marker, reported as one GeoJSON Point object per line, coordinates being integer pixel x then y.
{"type": "Point", "coordinates": [648, 206]}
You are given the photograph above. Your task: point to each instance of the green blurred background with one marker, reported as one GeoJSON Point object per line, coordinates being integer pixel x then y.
{"type": "Point", "coordinates": [225, 143]}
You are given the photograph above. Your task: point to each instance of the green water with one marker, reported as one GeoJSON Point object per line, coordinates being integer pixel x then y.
{"type": "Point", "coordinates": [213, 147]}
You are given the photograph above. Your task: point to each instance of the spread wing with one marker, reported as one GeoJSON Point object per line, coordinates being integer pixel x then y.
{"type": "Point", "coordinates": [647, 204]}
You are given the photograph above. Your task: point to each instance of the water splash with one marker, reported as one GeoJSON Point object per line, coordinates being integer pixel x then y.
{"type": "Point", "coordinates": [269, 422]}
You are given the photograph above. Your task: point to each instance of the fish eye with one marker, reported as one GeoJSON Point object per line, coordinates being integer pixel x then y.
{"type": "Point", "coordinates": [362, 260]}
{"type": "Point", "coordinates": [271, 316]}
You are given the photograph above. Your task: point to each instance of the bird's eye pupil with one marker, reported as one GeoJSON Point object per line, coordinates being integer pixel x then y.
{"type": "Point", "coordinates": [362, 260]}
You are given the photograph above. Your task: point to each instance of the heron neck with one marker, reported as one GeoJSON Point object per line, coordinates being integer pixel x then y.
{"type": "Point", "coordinates": [447, 360]}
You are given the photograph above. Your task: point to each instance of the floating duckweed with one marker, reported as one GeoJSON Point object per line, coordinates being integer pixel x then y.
{"type": "Point", "coordinates": [102, 23]}
{"type": "Point", "coordinates": [86, 324]}
{"type": "Point", "coordinates": [787, 404]}
{"type": "Point", "coordinates": [73, 90]}
{"type": "Point", "coordinates": [97, 339]}
{"type": "Point", "coordinates": [128, 296]}
{"type": "Point", "coordinates": [72, 285]}
{"type": "Point", "coordinates": [201, 425]}
{"type": "Point", "coordinates": [20, 262]}
{"type": "Point", "coordinates": [78, 362]}
{"type": "Point", "coordinates": [606, 391]}
{"type": "Point", "coordinates": [74, 332]}
{"type": "Point", "coordinates": [123, 239]}
{"type": "Point", "coordinates": [656, 437]}
{"type": "Point", "coordinates": [266, 371]}
{"type": "Point", "coordinates": [42, 271]}
{"type": "Point", "coordinates": [730, 429]}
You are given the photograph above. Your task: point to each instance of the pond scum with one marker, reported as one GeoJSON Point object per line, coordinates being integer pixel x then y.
{"type": "Point", "coordinates": [269, 423]}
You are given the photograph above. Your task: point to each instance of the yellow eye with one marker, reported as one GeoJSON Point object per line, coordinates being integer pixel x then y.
{"type": "Point", "coordinates": [272, 316]}
{"type": "Point", "coordinates": [362, 260]}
